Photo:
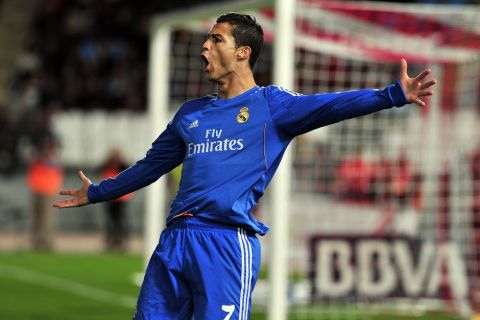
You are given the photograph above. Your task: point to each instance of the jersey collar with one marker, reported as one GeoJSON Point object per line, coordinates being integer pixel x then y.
{"type": "Point", "coordinates": [223, 102]}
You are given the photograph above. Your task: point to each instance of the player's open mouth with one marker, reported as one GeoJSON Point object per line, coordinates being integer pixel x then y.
{"type": "Point", "coordinates": [205, 63]}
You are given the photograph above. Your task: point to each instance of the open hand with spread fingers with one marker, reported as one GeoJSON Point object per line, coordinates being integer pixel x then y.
{"type": "Point", "coordinates": [416, 88]}
{"type": "Point", "coordinates": [78, 198]}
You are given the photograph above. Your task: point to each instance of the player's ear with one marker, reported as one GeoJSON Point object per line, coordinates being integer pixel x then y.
{"type": "Point", "coordinates": [243, 53]}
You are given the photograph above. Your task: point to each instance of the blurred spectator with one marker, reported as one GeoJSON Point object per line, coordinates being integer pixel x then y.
{"type": "Point", "coordinates": [401, 182]}
{"type": "Point", "coordinates": [382, 179]}
{"type": "Point", "coordinates": [475, 172]}
{"type": "Point", "coordinates": [44, 179]}
{"type": "Point", "coordinates": [474, 268]}
{"type": "Point", "coordinates": [404, 192]}
{"type": "Point", "coordinates": [355, 177]}
{"type": "Point", "coordinates": [116, 231]}
{"type": "Point", "coordinates": [8, 143]}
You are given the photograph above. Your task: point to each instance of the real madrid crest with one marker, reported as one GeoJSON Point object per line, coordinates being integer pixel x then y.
{"type": "Point", "coordinates": [243, 116]}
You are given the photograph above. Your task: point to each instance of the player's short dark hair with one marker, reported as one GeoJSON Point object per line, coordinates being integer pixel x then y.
{"type": "Point", "coordinates": [246, 32]}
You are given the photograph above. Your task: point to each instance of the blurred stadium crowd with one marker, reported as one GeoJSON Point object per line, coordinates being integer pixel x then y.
{"type": "Point", "coordinates": [76, 55]}
{"type": "Point", "coordinates": [80, 54]}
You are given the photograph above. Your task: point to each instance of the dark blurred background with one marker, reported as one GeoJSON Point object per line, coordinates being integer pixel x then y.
{"type": "Point", "coordinates": [80, 54]}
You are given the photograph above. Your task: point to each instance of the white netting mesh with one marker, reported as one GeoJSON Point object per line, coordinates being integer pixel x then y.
{"type": "Point", "coordinates": [394, 196]}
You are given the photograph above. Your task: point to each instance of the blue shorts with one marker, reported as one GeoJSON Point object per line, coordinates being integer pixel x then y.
{"type": "Point", "coordinates": [200, 269]}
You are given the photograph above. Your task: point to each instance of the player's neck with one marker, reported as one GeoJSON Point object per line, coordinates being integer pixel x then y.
{"type": "Point", "coordinates": [235, 85]}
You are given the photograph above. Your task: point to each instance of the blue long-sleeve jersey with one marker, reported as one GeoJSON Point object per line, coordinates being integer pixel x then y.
{"type": "Point", "coordinates": [230, 148]}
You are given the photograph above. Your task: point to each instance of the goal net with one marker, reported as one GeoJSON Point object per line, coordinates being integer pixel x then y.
{"type": "Point", "coordinates": [385, 209]}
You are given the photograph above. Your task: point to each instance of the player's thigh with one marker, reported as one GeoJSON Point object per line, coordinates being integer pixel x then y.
{"type": "Point", "coordinates": [226, 269]}
{"type": "Point", "coordinates": [164, 293]}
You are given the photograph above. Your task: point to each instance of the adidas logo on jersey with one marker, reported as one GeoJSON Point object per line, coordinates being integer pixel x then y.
{"type": "Point", "coordinates": [194, 124]}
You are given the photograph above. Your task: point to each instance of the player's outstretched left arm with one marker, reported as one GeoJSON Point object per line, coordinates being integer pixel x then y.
{"type": "Point", "coordinates": [417, 88]}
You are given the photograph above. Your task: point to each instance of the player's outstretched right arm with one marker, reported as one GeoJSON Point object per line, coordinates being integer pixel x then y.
{"type": "Point", "coordinates": [78, 198]}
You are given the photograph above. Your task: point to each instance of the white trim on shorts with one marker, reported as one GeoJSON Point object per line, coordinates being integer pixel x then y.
{"type": "Point", "coordinates": [246, 276]}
